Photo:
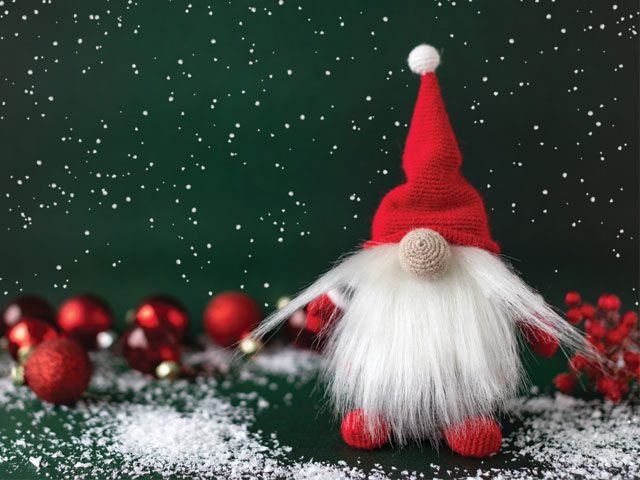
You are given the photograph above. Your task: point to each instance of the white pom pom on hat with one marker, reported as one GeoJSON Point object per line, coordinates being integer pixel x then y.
{"type": "Point", "coordinates": [423, 59]}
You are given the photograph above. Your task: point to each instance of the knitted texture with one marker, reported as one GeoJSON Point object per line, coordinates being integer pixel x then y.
{"type": "Point", "coordinates": [435, 195]}
{"type": "Point", "coordinates": [476, 437]}
{"type": "Point", "coordinates": [320, 312]}
{"type": "Point", "coordinates": [541, 342]}
{"type": "Point", "coordinates": [356, 434]}
{"type": "Point", "coordinates": [424, 253]}
{"type": "Point", "coordinates": [58, 371]}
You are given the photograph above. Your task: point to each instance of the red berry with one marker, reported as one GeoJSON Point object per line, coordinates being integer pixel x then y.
{"type": "Point", "coordinates": [565, 382]}
{"type": "Point", "coordinates": [572, 299]}
{"type": "Point", "coordinates": [595, 328]}
{"type": "Point", "coordinates": [624, 329]}
{"type": "Point", "coordinates": [629, 319]}
{"type": "Point", "coordinates": [606, 384]}
{"type": "Point", "coordinates": [145, 349]}
{"type": "Point", "coordinates": [163, 312]}
{"type": "Point", "coordinates": [631, 360]}
{"type": "Point", "coordinates": [83, 318]}
{"type": "Point", "coordinates": [588, 311]}
{"type": "Point", "coordinates": [594, 370]}
{"type": "Point", "coordinates": [615, 336]}
{"type": "Point", "coordinates": [614, 395]}
{"type": "Point", "coordinates": [623, 385]}
{"type": "Point", "coordinates": [578, 362]}
{"type": "Point", "coordinates": [596, 343]}
{"type": "Point", "coordinates": [614, 302]}
{"type": "Point", "coordinates": [29, 332]}
{"type": "Point", "coordinates": [574, 316]}
{"type": "Point", "coordinates": [58, 371]}
{"type": "Point", "coordinates": [229, 315]}
{"type": "Point", "coordinates": [592, 340]}
{"type": "Point", "coordinates": [609, 302]}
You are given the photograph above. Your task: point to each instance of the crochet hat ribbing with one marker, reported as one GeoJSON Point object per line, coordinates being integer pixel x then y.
{"type": "Point", "coordinates": [435, 195]}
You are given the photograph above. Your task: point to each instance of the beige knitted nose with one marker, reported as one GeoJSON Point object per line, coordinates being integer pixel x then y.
{"type": "Point", "coordinates": [424, 253]}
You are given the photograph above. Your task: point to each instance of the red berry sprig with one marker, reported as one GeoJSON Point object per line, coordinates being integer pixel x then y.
{"type": "Point", "coordinates": [616, 336]}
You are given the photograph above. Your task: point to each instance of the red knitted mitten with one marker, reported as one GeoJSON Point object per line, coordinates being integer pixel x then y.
{"type": "Point", "coordinates": [320, 312]}
{"type": "Point", "coordinates": [541, 342]}
{"type": "Point", "coordinates": [476, 437]}
{"type": "Point", "coordinates": [355, 433]}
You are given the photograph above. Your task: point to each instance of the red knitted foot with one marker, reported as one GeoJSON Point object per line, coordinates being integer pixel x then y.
{"type": "Point", "coordinates": [476, 437]}
{"type": "Point", "coordinates": [355, 433]}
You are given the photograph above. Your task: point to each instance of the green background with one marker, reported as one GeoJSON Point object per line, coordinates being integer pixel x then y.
{"type": "Point", "coordinates": [519, 79]}
{"type": "Point", "coordinates": [180, 156]}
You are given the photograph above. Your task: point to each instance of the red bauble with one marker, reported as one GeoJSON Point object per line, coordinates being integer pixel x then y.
{"type": "Point", "coordinates": [230, 315]}
{"type": "Point", "coordinates": [163, 312]}
{"type": "Point", "coordinates": [145, 349]}
{"type": "Point", "coordinates": [29, 332]}
{"type": "Point", "coordinates": [27, 306]}
{"type": "Point", "coordinates": [58, 371]}
{"type": "Point", "coordinates": [83, 318]}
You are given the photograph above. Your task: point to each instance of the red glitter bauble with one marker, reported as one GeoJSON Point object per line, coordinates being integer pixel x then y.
{"type": "Point", "coordinates": [229, 315]}
{"type": "Point", "coordinates": [163, 312]}
{"type": "Point", "coordinates": [58, 371]}
{"type": "Point", "coordinates": [145, 349]}
{"type": "Point", "coordinates": [27, 306]}
{"type": "Point", "coordinates": [29, 332]}
{"type": "Point", "coordinates": [83, 318]}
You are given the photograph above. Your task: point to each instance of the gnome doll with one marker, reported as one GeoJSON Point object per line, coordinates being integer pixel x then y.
{"type": "Point", "coordinates": [422, 324]}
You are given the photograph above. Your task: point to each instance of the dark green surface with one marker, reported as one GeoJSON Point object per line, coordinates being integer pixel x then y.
{"type": "Point", "coordinates": [564, 75]}
{"type": "Point", "coordinates": [305, 424]}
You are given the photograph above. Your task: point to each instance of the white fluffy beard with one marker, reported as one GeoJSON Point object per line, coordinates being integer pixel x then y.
{"type": "Point", "coordinates": [426, 354]}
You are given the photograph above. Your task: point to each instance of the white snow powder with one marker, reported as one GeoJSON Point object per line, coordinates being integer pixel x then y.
{"type": "Point", "coordinates": [130, 425]}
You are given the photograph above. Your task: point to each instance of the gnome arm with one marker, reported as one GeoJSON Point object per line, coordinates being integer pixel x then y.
{"type": "Point", "coordinates": [323, 310]}
{"type": "Point", "coordinates": [541, 342]}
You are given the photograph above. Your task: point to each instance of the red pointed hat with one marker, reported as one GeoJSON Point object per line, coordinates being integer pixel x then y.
{"type": "Point", "coordinates": [435, 195]}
